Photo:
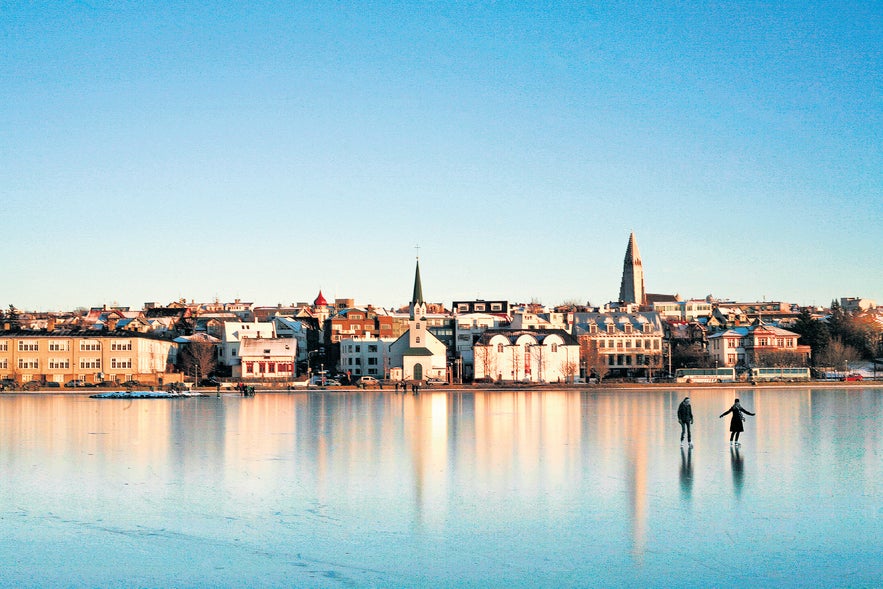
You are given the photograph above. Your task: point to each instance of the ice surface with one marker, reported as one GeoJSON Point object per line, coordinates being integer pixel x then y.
{"type": "Point", "coordinates": [499, 489]}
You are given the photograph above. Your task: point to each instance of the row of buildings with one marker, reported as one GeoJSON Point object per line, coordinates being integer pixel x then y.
{"type": "Point", "coordinates": [474, 339]}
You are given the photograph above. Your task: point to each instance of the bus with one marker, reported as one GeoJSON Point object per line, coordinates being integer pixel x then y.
{"type": "Point", "coordinates": [780, 374]}
{"type": "Point", "coordinates": [705, 375]}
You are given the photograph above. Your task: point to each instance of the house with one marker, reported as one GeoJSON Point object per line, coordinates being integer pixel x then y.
{"type": "Point", "coordinates": [758, 344]}
{"type": "Point", "coordinates": [366, 356]}
{"type": "Point", "coordinates": [233, 333]}
{"type": "Point", "coordinates": [266, 358]}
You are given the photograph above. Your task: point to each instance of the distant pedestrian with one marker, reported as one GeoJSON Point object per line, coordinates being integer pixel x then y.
{"type": "Point", "coordinates": [685, 418]}
{"type": "Point", "coordinates": [736, 427]}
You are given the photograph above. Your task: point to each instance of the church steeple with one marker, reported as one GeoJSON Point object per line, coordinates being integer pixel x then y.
{"type": "Point", "coordinates": [418, 306]}
{"type": "Point", "coordinates": [631, 289]}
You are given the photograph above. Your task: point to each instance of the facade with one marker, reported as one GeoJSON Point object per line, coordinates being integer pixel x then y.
{"type": "Point", "coordinates": [481, 306]}
{"type": "Point", "coordinates": [540, 356]}
{"type": "Point", "coordinates": [232, 334]}
{"type": "Point", "coordinates": [751, 346]}
{"type": "Point", "coordinates": [631, 289]}
{"type": "Point", "coordinates": [620, 344]}
{"type": "Point", "coordinates": [266, 358]}
{"type": "Point", "coordinates": [86, 357]}
{"type": "Point", "coordinates": [355, 322]}
{"type": "Point", "coordinates": [468, 329]}
{"type": "Point", "coordinates": [365, 356]}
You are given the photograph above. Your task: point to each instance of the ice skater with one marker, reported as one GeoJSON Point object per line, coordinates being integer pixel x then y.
{"type": "Point", "coordinates": [736, 427]}
{"type": "Point", "coordinates": [685, 418]}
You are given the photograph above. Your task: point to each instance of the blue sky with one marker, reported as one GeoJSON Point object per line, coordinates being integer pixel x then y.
{"type": "Point", "coordinates": [268, 150]}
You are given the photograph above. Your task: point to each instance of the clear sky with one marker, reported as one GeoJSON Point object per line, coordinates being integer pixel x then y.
{"type": "Point", "coordinates": [265, 151]}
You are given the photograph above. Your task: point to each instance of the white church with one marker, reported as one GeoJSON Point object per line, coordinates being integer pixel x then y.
{"type": "Point", "coordinates": [417, 355]}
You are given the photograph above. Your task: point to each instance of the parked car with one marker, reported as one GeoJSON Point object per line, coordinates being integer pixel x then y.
{"type": "Point", "coordinates": [330, 382]}
{"type": "Point", "coordinates": [130, 384]}
{"type": "Point", "coordinates": [7, 384]}
{"type": "Point", "coordinates": [435, 382]}
{"type": "Point", "coordinates": [853, 377]}
{"type": "Point", "coordinates": [74, 383]}
{"type": "Point", "coordinates": [51, 384]}
{"type": "Point", "coordinates": [368, 381]}
{"type": "Point", "coordinates": [31, 385]}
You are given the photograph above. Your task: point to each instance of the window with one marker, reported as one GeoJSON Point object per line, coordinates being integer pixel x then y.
{"type": "Point", "coordinates": [59, 346]}
{"type": "Point", "coordinates": [90, 345]}
{"type": "Point", "coordinates": [639, 343]}
{"type": "Point", "coordinates": [463, 307]}
{"type": "Point", "coordinates": [118, 345]}
{"type": "Point", "coordinates": [372, 361]}
{"type": "Point", "coordinates": [499, 348]}
{"type": "Point", "coordinates": [4, 345]}
{"type": "Point", "coordinates": [610, 328]}
{"type": "Point", "coordinates": [628, 344]}
{"type": "Point", "coordinates": [121, 363]}
{"type": "Point", "coordinates": [602, 344]}
{"type": "Point", "coordinates": [479, 306]}
{"type": "Point", "coordinates": [4, 363]}
{"type": "Point", "coordinates": [554, 348]}
{"type": "Point", "coordinates": [593, 327]}
{"type": "Point", "coordinates": [496, 306]}
{"type": "Point", "coordinates": [28, 346]}
{"type": "Point", "coordinates": [59, 363]}
{"type": "Point", "coordinates": [28, 364]}
{"type": "Point", "coordinates": [90, 363]}
{"type": "Point", "coordinates": [358, 348]}
{"type": "Point", "coordinates": [418, 339]}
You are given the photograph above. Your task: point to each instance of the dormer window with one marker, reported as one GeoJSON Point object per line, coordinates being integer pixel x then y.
{"type": "Point", "coordinates": [610, 328]}
{"type": "Point", "coordinates": [627, 327]}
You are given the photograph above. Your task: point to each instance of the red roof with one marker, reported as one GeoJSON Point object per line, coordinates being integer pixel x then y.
{"type": "Point", "coordinates": [320, 301]}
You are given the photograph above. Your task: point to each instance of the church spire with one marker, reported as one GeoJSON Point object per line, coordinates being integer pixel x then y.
{"type": "Point", "coordinates": [631, 289]}
{"type": "Point", "coordinates": [418, 307]}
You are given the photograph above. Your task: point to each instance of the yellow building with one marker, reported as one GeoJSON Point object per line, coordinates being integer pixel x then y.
{"type": "Point", "coordinates": [55, 356]}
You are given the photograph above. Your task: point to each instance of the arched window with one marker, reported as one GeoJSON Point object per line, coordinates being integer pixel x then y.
{"type": "Point", "coordinates": [499, 348]}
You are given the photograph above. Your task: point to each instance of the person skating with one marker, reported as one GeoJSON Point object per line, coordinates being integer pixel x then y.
{"type": "Point", "coordinates": [736, 427]}
{"type": "Point", "coordinates": [685, 418]}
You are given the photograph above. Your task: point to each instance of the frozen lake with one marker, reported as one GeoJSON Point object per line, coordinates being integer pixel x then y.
{"type": "Point", "coordinates": [471, 489]}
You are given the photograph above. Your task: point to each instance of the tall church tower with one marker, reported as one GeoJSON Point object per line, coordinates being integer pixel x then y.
{"type": "Point", "coordinates": [631, 289]}
{"type": "Point", "coordinates": [417, 322]}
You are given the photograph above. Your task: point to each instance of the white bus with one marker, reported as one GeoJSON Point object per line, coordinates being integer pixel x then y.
{"type": "Point", "coordinates": [780, 374]}
{"type": "Point", "coordinates": [705, 375]}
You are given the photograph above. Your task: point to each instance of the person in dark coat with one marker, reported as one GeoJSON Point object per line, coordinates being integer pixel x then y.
{"type": "Point", "coordinates": [685, 418]}
{"type": "Point", "coordinates": [736, 427]}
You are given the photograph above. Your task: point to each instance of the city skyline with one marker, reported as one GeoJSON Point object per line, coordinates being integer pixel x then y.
{"type": "Point", "coordinates": [267, 152]}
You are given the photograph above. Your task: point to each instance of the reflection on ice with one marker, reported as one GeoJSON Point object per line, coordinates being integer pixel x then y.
{"type": "Point", "coordinates": [508, 489]}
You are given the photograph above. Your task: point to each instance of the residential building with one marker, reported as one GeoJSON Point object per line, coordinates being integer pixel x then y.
{"type": "Point", "coordinates": [92, 357]}
{"type": "Point", "coordinates": [620, 344]}
{"type": "Point", "coordinates": [753, 345]}
{"type": "Point", "coordinates": [266, 358]}
{"type": "Point", "coordinates": [232, 334]}
{"type": "Point", "coordinates": [365, 356]}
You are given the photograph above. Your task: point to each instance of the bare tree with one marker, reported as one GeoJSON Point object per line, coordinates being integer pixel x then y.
{"type": "Point", "coordinates": [198, 357]}
{"type": "Point", "coordinates": [569, 368]}
{"type": "Point", "coordinates": [595, 361]}
{"type": "Point", "coordinates": [778, 358]}
{"type": "Point", "coordinates": [486, 359]}
{"type": "Point", "coordinates": [838, 355]}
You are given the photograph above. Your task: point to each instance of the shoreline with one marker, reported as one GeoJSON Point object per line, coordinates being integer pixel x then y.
{"type": "Point", "coordinates": [532, 387]}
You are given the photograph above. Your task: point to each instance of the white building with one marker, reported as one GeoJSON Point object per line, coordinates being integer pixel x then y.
{"type": "Point", "coordinates": [418, 354]}
{"type": "Point", "coordinates": [467, 330]}
{"type": "Point", "coordinates": [266, 358]}
{"type": "Point", "coordinates": [234, 332]}
{"type": "Point", "coordinates": [527, 356]}
{"type": "Point", "coordinates": [365, 356]}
